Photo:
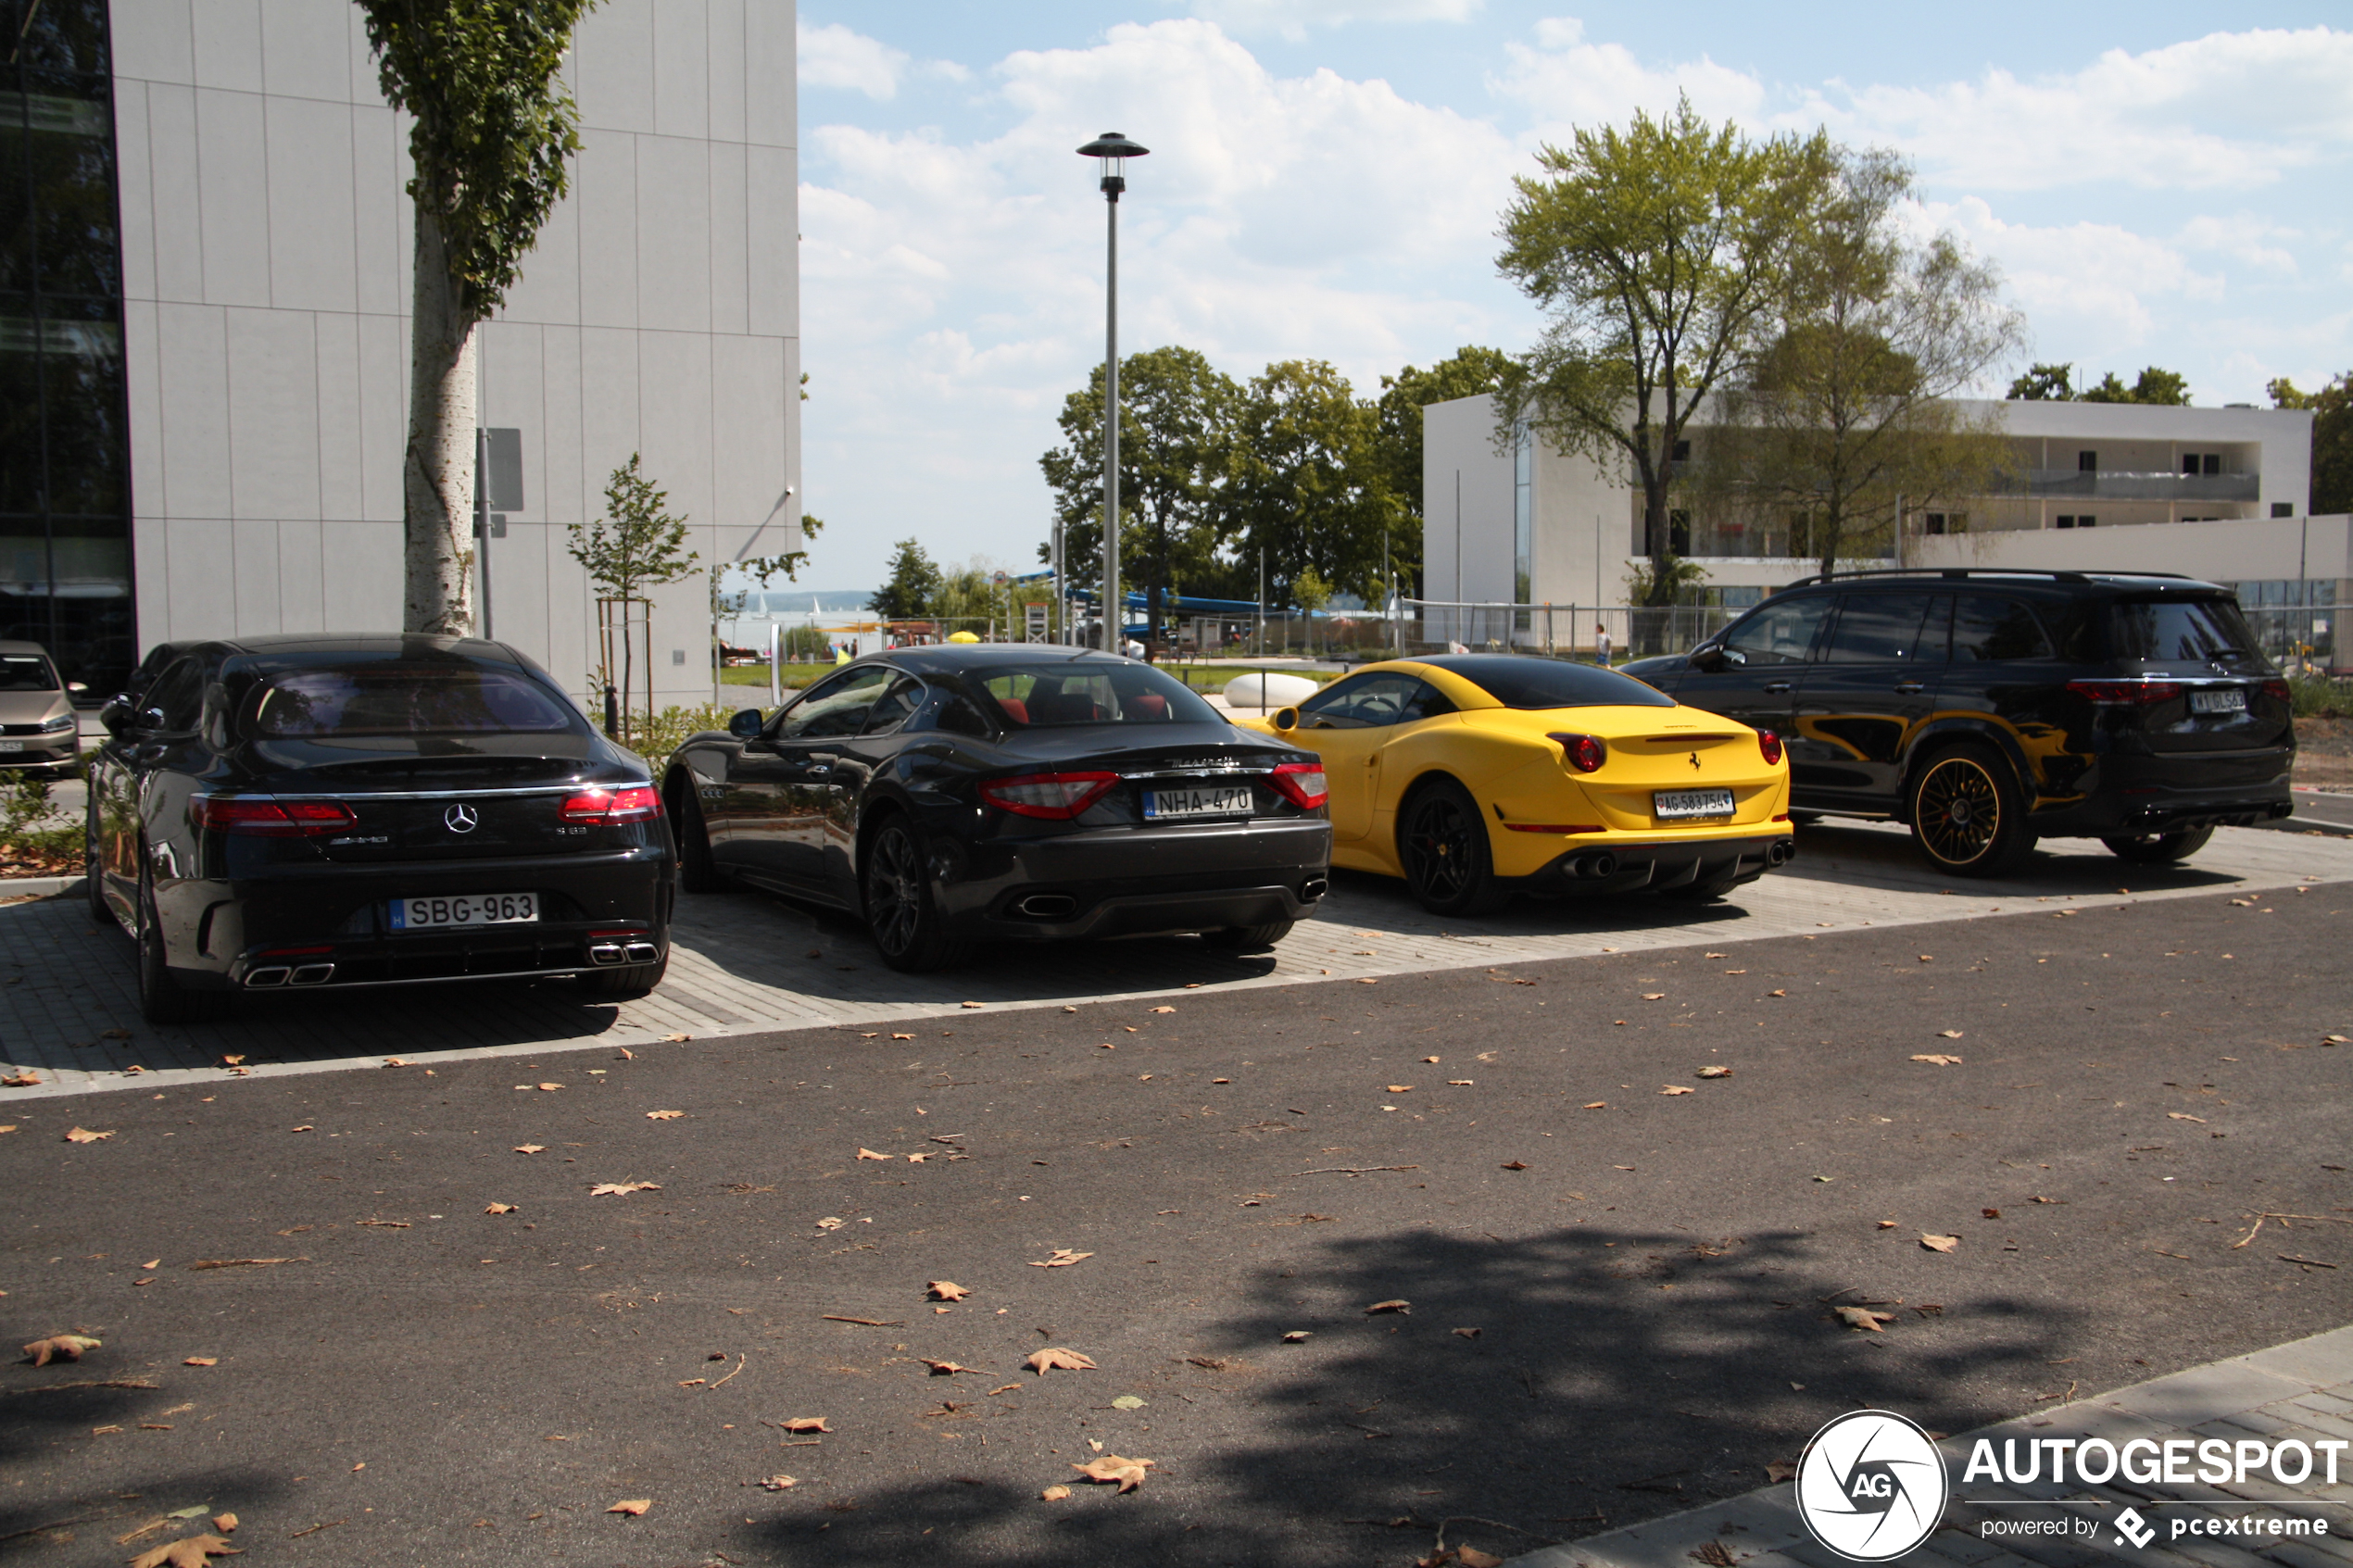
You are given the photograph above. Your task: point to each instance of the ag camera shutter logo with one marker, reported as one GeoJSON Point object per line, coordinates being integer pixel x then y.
{"type": "Point", "coordinates": [1871, 1485]}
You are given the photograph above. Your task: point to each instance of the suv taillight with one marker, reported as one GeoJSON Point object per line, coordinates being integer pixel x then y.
{"type": "Point", "coordinates": [1302, 783]}
{"type": "Point", "coordinates": [1585, 753]}
{"type": "Point", "coordinates": [1769, 744]}
{"type": "Point", "coordinates": [2275, 688]}
{"type": "Point", "coordinates": [640, 803]}
{"type": "Point", "coordinates": [2135, 692]}
{"type": "Point", "coordinates": [1057, 798]}
{"type": "Point", "coordinates": [260, 815]}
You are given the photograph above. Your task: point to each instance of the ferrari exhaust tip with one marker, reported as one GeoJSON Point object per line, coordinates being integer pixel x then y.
{"type": "Point", "coordinates": [1600, 864]}
{"type": "Point", "coordinates": [1780, 852]}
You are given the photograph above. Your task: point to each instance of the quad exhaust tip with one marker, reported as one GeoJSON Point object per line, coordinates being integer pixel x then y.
{"type": "Point", "coordinates": [279, 975]}
{"type": "Point", "coordinates": [1600, 863]}
{"type": "Point", "coordinates": [642, 952]}
{"type": "Point", "coordinates": [606, 953]}
{"type": "Point", "coordinates": [311, 975]}
{"type": "Point", "coordinates": [273, 974]}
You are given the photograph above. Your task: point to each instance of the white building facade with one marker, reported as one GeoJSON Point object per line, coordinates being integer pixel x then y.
{"type": "Point", "coordinates": [261, 327]}
{"type": "Point", "coordinates": [2221, 494]}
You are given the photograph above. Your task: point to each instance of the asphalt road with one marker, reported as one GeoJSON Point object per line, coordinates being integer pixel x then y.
{"type": "Point", "coordinates": [1621, 1299]}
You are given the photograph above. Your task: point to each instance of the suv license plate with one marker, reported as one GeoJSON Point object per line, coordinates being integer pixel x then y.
{"type": "Point", "coordinates": [11, 746]}
{"type": "Point", "coordinates": [475, 909]}
{"type": "Point", "coordinates": [1208, 800]}
{"type": "Point", "coordinates": [2229, 700]}
{"type": "Point", "coordinates": [1673, 804]}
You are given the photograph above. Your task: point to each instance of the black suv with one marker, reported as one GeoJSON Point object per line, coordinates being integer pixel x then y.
{"type": "Point", "coordinates": [1990, 708]}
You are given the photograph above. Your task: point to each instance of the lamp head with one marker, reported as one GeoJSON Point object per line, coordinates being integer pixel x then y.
{"type": "Point", "coordinates": [1109, 151]}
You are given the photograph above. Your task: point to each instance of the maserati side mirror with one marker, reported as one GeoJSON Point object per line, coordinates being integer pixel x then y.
{"type": "Point", "coordinates": [745, 725]}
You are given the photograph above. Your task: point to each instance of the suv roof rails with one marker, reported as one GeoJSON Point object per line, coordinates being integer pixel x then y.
{"type": "Point", "coordinates": [1955, 572]}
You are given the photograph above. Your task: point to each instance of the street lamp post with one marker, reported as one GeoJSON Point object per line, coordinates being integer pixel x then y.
{"type": "Point", "coordinates": [1109, 151]}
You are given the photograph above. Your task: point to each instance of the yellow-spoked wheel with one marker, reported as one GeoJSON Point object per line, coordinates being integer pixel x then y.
{"type": "Point", "coordinates": [1967, 814]}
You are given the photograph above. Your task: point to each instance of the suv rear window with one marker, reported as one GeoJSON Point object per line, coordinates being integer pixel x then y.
{"type": "Point", "coordinates": [2194, 629]}
{"type": "Point", "coordinates": [1527, 682]}
{"type": "Point", "coordinates": [406, 699]}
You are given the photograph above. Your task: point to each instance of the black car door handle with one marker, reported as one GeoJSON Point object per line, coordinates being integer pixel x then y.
{"type": "Point", "coordinates": [1776, 686]}
{"type": "Point", "coordinates": [1907, 687]}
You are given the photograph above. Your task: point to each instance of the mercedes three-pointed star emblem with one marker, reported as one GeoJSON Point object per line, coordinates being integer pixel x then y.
{"type": "Point", "coordinates": [460, 818]}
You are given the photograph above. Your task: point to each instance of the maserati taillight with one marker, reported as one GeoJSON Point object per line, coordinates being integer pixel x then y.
{"type": "Point", "coordinates": [1302, 783]}
{"type": "Point", "coordinates": [1056, 797]}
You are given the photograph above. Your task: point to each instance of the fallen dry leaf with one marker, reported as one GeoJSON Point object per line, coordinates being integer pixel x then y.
{"type": "Point", "coordinates": [232, 1062]}
{"type": "Point", "coordinates": [675, 1038]}
{"type": "Point", "coordinates": [1676, 1090]}
{"type": "Point", "coordinates": [1939, 1242]}
{"type": "Point", "coordinates": [945, 1369]}
{"type": "Point", "coordinates": [498, 1209]}
{"type": "Point", "coordinates": [2185, 1116]}
{"type": "Point", "coordinates": [1948, 1033]}
{"type": "Point", "coordinates": [780, 1483]}
{"type": "Point", "coordinates": [1653, 996]}
{"type": "Point", "coordinates": [984, 1004]}
{"type": "Point", "coordinates": [631, 1506]}
{"type": "Point", "coordinates": [1466, 1333]}
{"type": "Point", "coordinates": [1064, 1258]}
{"type": "Point", "coordinates": [831, 1223]}
{"type": "Point", "coordinates": [201, 1360]}
{"type": "Point", "coordinates": [20, 1080]}
{"type": "Point", "coordinates": [83, 1135]}
{"type": "Point", "coordinates": [550, 1089]}
{"type": "Point", "coordinates": [1937, 1058]}
{"type": "Point", "coordinates": [1296, 1334]}
{"type": "Point", "coordinates": [306, 1127]}
{"type": "Point", "coordinates": [225, 1522]}
{"type": "Point", "coordinates": [902, 1036]}
{"type": "Point", "coordinates": [1460, 1083]}
{"type": "Point", "coordinates": [189, 1552]}
{"type": "Point", "coordinates": [1398, 1088]}
{"type": "Point", "coordinates": [1400, 1306]}
{"type": "Point", "coordinates": [947, 1290]}
{"type": "Point", "coordinates": [1597, 1105]}
{"type": "Point", "coordinates": [869, 1154]}
{"type": "Point", "coordinates": [663, 1115]}
{"type": "Point", "coordinates": [396, 1062]}
{"type": "Point", "coordinates": [240, 1262]}
{"type": "Point", "coordinates": [1055, 1358]}
{"type": "Point", "coordinates": [1471, 1557]}
{"type": "Point", "coordinates": [1777, 993]}
{"type": "Point", "coordinates": [1128, 1472]}
{"type": "Point", "coordinates": [1714, 1072]}
{"type": "Point", "coordinates": [1863, 1317]}
{"type": "Point", "coordinates": [531, 1148]}
{"type": "Point", "coordinates": [1514, 1164]}
{"type": "Point", "coordinates": [808, 1423]}
{"type": "Point", "coordinates": [621, 1189]}
{"type": "Point", "coordinates": [60, 1347]}
{"type": "Point", "coordinates": [1053, 1494]}
{"type": "Point", "coordinates": [1781, 1469]}
{"type": "Point", "coordinates": [1163, 1009]}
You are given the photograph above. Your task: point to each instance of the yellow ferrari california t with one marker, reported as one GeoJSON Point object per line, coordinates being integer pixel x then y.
{"type": "Point", "coordinates": [1476, 776]}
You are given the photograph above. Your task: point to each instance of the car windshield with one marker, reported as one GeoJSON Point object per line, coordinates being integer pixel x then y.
{"type": "Point", "coordinates": [406, 699]}
{"type": "Point", "coordinates": [2183, 629]}
{"type": "Point", "coordinates": [26, 673]}
{"type": "Point", "coordinates": [1532, 682]}
{"type": "Point", "coordinates": [1090, 692]}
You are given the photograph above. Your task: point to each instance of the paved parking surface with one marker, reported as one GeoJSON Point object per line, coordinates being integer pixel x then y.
{"type": "Point", "coordinates": [747, 963]}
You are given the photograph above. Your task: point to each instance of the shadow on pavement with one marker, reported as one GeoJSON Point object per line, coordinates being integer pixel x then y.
{"type": "Point", "coordinates": [1613, 1376]}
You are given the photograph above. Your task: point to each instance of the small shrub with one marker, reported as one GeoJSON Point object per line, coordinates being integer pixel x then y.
{"type": "Point", "coordinates": [656, 737]}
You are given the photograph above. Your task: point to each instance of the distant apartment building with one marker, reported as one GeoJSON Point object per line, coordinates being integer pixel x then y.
{"type": "Point", "coordinates": [204, 323]}
{"type": "Point", "coordinates": [2221, 494]}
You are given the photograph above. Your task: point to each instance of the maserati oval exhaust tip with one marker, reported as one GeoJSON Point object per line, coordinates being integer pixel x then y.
{"type": "Point", "coordinates": [1315, 887]}
{"type": "Point", "coordinates": [1047, 906]}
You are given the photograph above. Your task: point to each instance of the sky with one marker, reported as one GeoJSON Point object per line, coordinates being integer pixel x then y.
{"type": "Point", "coordinates": [2158, 183]}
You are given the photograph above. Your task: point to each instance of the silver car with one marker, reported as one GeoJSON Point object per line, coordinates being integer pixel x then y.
{"type": "Point", "coordinates": [37, 725]}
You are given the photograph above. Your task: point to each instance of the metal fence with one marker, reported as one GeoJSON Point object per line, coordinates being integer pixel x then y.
{"type": "Point", "coordinates": [1558, 631]}
{"type": "Point", "coordinates": [2300, 639]}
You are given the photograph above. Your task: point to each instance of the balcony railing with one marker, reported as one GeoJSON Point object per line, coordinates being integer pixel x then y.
{"type": "Point", "coordinates": [2113, 485]}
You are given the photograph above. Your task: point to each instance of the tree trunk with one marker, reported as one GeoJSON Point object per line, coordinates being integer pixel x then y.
{"type": "Point", "coordinates": [1660, 542]}
{"type": "Point", "coordinates": [438, 478]}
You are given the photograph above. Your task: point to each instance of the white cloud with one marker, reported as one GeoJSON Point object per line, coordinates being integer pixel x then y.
{"type": "Point", "coordinates": [1291, 18]}
{"type": "Point", "coordinates": [2239, 109]}
{"type": "Point", "coordinates": [832, 56]}
{"type": "Point", "coordinates": [1563, 81]}
{"type": "Point", "coordinates": [2244, 237]}
{"type": "Point", "coordinates": [2100, 283]}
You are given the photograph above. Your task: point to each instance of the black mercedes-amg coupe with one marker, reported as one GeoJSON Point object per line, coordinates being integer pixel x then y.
{"type": "Point", "coordinates": [289, 812]}
{"type": "Point", "coordinates": [982, 791]}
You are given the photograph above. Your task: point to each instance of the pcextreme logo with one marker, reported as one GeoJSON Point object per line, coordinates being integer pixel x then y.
{"type": "Point", "coordinates": [1871, 1485]}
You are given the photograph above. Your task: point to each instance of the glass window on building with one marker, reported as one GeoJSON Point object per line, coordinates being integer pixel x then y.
{"type": "Point", "coordinates": [1523, 519]}
{"type": "Point", "coordinates": [65, 489]}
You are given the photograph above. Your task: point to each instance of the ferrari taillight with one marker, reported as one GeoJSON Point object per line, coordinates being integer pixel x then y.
{"type": "Point", "coordinates": [640, 803]}
{"type": "Point", "coordinates": [1054, 796]}
{"type": "Point", "coordinates": [1585, 753]}
{"type": "Point", "coordinates": [260, 815]}
{"type": "Point", "coordinates": [1302, 783]}
{"type": "Point", "coordinates": [1771, 744]}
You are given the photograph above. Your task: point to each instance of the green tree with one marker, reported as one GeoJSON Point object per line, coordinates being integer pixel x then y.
{"type": "Point", "coordinates": [1398, 437]}
{"type": "Point", "coordinates": [2331, 439]}
{"type": "Point", "coordinates": [1658, 255]}
{"type": "Point", "coordinates": [2044, 383]}
{"type": "Point", "coordinates": [2153, 385]}
{"type": "Point", "coordinates": [491, 129]}
{"type": "Point", "coordinates": [1303, 484]}
{"type": "Point", "coordinates": [637, 545]}
{"type": "Point", "coordinates": [913, 586]}
{"type": "Point", "coordinates": [1851, 408]}
{"type": "Point", "coordinates": [1175, 417]}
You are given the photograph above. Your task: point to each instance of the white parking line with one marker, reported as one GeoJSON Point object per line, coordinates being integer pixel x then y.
{"type": "Point", "coordinates": [747, 963]}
